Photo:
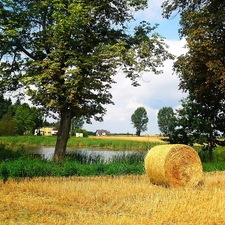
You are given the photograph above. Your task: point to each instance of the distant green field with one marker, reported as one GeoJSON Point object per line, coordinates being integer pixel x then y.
{"type": "Point", "coordinates": [115, 143]}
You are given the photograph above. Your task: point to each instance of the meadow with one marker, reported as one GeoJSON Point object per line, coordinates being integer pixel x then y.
{"type": "Point", "coordinates": [110, 142]}
{"type": "Point", "coordinates": [111, 200]}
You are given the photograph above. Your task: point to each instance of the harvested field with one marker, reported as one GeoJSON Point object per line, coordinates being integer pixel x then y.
{"type": "Point", "coordinates": [118, 200]}
{"type": "Point", "coordinates": [132, 138]}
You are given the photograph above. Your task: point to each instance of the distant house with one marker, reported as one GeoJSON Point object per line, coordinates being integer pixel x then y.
{"type": "Point", "coordinates": [79, 134]}
{"type": "Point", "coordinates": [46, 131]}
{"type": "Point", "coordinates": [102, 133]}
{"type": "Point", "coordinates": [54, 132]}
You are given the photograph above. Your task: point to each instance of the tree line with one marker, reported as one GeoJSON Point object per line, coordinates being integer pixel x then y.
{"type": "Point", "coordinates": [22, 119]}
{"type": "Point", "coordinates": [19, 119]}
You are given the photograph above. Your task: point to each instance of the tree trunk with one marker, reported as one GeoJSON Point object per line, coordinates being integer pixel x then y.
{"type": "Point", "coordinates": [138, 133]}
{"type": "Point", "coordinates": [62, 135]}
{"type": "Point", "coordinates": [210, 153]}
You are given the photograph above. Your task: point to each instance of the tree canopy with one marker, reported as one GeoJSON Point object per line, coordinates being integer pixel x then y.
{"type": "Point", "coordinates": [197, 123]}
{"type": "Point", "coordinates": [64, 53]}
{"type": "Point", "coordinates": [166, 117]}
{"type": "Point", "coordinates": [4, 105]}
{"type": "Point", "coordinates": [140, 120]}
{"type": "Point", "coordinates": [20, 119]}
{"type": "Point", "coordinates": [202, 69]}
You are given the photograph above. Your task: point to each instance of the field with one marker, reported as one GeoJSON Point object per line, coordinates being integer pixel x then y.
{"type": "Point", "coordinates": [118, 200]}
{"type": "Point", "coordinates": [110, 142]}
{"type": "Point", "coordinates": [147, 138]}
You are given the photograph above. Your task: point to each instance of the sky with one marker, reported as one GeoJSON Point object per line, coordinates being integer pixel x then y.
{"type": "Point", "coordinates": [155, 92]}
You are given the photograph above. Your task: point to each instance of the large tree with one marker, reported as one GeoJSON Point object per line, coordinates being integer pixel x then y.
{"type": "Point", "coordinates": [140, 120]}
{"type": "Point", "coordinates": [198, 123]}
{"type": "Point", "coordinates": [64, 53]}
{"type": "Point", "coordinates": [202, 69]}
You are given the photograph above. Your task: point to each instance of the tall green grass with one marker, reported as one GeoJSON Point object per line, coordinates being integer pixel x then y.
{"type": "Point", "coordinates": [8, 153]}
{"type": "Point", "coordinates": [72, 166]}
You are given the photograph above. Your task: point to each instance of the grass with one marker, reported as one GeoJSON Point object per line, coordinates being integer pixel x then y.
{"type": "Point", "coordinates": [22, 168]}
{"type": "Point", "coordinates": [76, 164]}
{"type": "Point", "coordinates": [113, 142]}
{"type": "Point", "coordinates": [110, 200]}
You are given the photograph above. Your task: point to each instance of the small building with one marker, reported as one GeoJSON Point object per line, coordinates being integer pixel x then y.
{"type": "Point", "coordinates": [54, 132]}
{"type": "Point", "coordinates": [45, 131]}
{"type": "Point", "coordinates": [79, 134]}
{"type": "Point", "coordinates": [102, 133]}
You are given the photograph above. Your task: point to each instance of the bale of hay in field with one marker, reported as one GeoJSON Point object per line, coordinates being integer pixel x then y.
{"type": "Point", "coordinates": [173, 165]}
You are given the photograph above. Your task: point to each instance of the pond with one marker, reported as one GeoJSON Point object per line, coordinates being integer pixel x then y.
{"type": "Point", "coordinates": [105, 154]}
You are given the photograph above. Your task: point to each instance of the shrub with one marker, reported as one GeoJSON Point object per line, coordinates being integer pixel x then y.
{"type": "Point", "coordinates": [7, 153]}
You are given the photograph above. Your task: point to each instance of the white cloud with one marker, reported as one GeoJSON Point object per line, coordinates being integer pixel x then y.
{"type": "Point", "coordinates": [155, 92]}
{"type": "Point", "coordinates": [153, 12]}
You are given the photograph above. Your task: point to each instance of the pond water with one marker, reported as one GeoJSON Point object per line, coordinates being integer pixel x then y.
{"type": "Point", "coordinates": [106, 154]}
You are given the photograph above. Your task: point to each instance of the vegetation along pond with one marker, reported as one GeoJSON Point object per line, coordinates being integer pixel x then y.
{"type": "Point", "coordinates": [88, 154]}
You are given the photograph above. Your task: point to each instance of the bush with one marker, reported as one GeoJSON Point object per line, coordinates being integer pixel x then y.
{"type": "Point", "coordinates": [218, 154]}
{"type": "Point", "coordinates": [204, 156]}
{"type": "Point", "coordinates": [9, 154]}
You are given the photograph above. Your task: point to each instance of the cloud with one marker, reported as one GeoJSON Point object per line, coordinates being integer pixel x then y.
{"type": "Point", "coordinates": [153, 12]}
{"type": "Point", "coordinates": [155, 92]}
{"type": "Point", "coordinates": [167, 27]}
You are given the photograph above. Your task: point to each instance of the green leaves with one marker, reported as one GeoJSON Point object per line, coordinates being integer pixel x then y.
{"type": "Point", "coordinates": [202, 24]}
{"type": "Point", "coordinates": [140, 120]}
{"type": "Point", "coordinates": [25, 119]}
{"type": "Point", "coordinates": [166, 120]}
{"type": "Point", "coordinates": [196, 122]}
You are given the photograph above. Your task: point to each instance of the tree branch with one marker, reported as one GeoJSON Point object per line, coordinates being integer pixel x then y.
{"type": "Point", "coordinates": [21, 48]}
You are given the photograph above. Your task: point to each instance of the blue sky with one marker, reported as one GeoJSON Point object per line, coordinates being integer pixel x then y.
{"type": "Point", "coordinates": [155, 92]}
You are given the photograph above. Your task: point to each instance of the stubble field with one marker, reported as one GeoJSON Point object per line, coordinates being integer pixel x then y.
{"type": "Point", "coordinates": [119, 200]}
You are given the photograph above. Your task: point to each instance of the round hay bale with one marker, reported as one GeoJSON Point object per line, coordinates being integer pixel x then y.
{"type": "Point", "coordinates": [173, 165]}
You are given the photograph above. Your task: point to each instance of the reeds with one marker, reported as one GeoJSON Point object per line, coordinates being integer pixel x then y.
{"type": "Point", "coordinates": [76, 164]}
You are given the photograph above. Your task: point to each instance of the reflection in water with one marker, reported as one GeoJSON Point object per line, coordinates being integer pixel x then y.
{"type": "Point", "coordinates": [106, 154]}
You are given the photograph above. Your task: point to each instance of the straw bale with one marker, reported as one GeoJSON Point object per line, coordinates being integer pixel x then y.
{"type": "Point", "coordinates": [173, 165]}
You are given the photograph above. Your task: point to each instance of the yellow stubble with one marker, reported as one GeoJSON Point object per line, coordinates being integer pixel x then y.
{"type": "Point", "coordinates": [111, 200]}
